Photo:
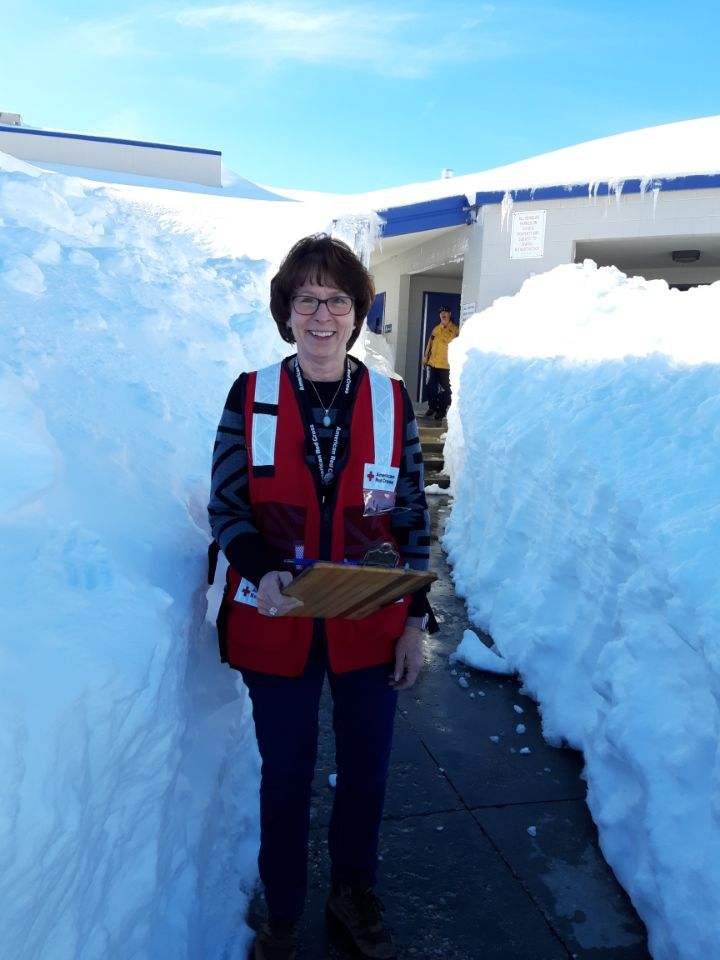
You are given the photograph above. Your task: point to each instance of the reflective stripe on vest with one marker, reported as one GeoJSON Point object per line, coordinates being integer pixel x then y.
{"type": "Point", "coordinates": [383, 414]}
{"type": "Point", "coordinates": [264, 425]}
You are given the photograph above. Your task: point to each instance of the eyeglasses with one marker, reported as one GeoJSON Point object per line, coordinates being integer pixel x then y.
{"type": "Point", "coordinates": [306, 306]}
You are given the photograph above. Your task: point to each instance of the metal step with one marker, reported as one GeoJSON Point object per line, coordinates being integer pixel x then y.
{"type": "Point", "coordinates": [430, 431]}
{"type": "Point", "coordinates": [430, 447]}
{"type": "Point", "coordinates": [440, 479]}
{"type": "Point", "coordinates": [431, 437]}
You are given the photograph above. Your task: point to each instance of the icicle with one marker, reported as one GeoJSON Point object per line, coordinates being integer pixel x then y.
{"type": "Point", "coordinates": [359, 231]}
{"type": "Point", "coordinates": [656, 194]}
{"type": "Point", "coordinates": [654, 186]}
{"type": "Point", "coordinates": [505, 210]}
{"type": "Point", "coordinates": [616, 186]}
{"type": "Point", "coordinates": [593, 188]}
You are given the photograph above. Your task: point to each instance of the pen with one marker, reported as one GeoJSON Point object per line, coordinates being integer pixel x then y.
{"type": "Point", "coordinates": [309, 563]}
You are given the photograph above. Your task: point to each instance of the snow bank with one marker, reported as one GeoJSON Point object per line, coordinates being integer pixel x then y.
{"type": "Point", "coordinates": [128, 821]}
{"type": "Point", "coordinates": [585, 535]}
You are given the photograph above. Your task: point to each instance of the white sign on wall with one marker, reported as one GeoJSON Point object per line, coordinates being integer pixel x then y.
{"type": "Point", "coordinates": [527, 238]}
{"type": "Point", "coordinates": [467, 310]}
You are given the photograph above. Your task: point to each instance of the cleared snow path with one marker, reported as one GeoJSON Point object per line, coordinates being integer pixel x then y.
{"type": "Point", "coordinates": [487, 851]}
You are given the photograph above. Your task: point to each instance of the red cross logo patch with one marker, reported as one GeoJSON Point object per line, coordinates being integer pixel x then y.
{"type": "Point", "coordinates": [246, 591]}
{"type": "Point", "coordinates": [371, 476]}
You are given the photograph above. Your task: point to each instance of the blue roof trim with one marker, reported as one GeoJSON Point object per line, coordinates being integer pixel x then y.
{"type": "Point", "coordinates": [454, 211]}
{"type": "Point", "coordinates": [427, 215]}
{"type": "Point", "coordinates": [699, 181]}
{"type": "Point", "coordinates": [92, 139]}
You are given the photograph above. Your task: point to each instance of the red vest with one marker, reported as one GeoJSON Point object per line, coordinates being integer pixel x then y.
{"type": "Point", "coordinates": [288, 513]}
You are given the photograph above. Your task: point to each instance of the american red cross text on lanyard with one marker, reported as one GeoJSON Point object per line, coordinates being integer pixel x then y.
{"type": "Point", "coordinates": [325, 475]}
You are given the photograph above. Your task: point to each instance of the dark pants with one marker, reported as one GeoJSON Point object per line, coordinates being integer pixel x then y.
{"type": "Point", "coordinates": [285, 710]}
{"type": "Point", "coordinates": [438, 390]}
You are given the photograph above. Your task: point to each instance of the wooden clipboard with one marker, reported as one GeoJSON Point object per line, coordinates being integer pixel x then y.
{"type": "Point", "coordinates": [350, 592]}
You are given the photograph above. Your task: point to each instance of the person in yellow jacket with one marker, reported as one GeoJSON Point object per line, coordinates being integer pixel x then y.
{"type": "Point", "coordinates": [436, 361]}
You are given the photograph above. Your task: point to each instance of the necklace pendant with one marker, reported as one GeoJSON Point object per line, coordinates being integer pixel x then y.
{"type": "Point", "coordinates": [326, 420]}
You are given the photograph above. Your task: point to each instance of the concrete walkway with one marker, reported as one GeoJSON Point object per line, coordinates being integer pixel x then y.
{"type": "Point", "coordinates": [463, 877]}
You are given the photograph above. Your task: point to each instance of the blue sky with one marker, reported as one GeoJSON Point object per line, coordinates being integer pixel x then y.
{"type": "Point", "coordinates": [356, 96]}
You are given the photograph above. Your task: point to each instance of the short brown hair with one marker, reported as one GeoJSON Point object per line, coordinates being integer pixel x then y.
{"type": "Point", "coordinates": [320, 259]}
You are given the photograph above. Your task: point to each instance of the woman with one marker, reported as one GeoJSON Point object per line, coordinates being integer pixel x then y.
{"type": "Point", "coordinates": [290, 486]}
{"type": "Point", "coordinates": [436, 360]}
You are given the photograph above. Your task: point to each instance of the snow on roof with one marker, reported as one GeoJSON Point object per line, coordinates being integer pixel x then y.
{"type": "Point", "coordinates": [667, 151]}
{"type": "Point", "coordinates": [671, 150]}
{"type": "Point", "coordinates": [233, 185]}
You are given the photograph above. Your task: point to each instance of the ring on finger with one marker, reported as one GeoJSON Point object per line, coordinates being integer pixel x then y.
{"type": "Point", "coordinates": [273, 611]}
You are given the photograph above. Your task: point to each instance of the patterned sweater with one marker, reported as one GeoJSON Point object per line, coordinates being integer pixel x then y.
{"type": "Point", "coordinates": [230, 512]}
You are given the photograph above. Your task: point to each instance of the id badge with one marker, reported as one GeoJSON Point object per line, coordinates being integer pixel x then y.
{"type": "Point", "coordinates": [379, 489]}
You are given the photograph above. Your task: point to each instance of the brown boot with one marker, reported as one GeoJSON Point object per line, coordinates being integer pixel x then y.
{"type": "Point", "coordinates": [359, 912]}
{"type": "Point", "coordinates": [276, 941]}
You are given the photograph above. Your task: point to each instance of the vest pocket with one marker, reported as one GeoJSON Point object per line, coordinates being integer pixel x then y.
{"type": "Point", "coordinates": [363, 534]}
{"type": "Point", "coordinates": [281, 524]}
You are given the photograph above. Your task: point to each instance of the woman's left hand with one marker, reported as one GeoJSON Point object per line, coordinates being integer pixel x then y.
{"type": "Point", "coordinates": [408, 658]}
{"type": "Point", "coordinates": [271, 602]}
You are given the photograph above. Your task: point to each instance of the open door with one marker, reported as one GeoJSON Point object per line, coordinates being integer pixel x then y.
{"type": "Point", "coordinates": [432, 302]}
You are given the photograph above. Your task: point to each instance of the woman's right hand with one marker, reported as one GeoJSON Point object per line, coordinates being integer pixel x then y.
{"type": "Point", "coordinates": [270, 600]}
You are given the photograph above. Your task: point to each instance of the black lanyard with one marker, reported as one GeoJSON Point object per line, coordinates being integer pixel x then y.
{"type": "Point", "coordinates": [326, 476]}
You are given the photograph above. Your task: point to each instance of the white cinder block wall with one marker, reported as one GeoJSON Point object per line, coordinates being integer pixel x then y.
{"type": "Point", "coordinates": [490, 273]}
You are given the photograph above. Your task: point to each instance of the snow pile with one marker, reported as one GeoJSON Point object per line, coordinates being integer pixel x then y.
{"type": "Point", "coordinates": [585, 535]}
{"type": "Point", "coordinates": [128, 821]}
{"type": "Point", "coordinates": [472, 651]}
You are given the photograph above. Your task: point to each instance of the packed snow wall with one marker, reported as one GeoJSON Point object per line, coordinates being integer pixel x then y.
{"type": "Point", "coordinates": [585, 536]}
{"type": "Point", "coordinates": [128, 813]}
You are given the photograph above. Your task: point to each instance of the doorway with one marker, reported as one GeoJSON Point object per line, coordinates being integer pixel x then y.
{"type": "Point", "coordinates": [432, 302]}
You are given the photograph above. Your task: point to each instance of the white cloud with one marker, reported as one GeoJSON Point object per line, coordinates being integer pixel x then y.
{"type": "Point", "coordinates": [274, 18]}
{"type": "Point", "coordinates": [407, 42]}
{"type": "Point", "coordinates": [114, 38]}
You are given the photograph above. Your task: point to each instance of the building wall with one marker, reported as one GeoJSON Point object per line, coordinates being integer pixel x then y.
{"type": "Point", "coordinates": [396, 286]}
{"type": "Point", "coordinates": [472, 270]}
{"type": "Point", "coordinates": [161, 161]}
{"type": "Point", "coordinates": [490, 273]}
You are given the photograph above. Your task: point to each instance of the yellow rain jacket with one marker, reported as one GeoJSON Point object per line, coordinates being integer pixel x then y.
{"type": "Point", "coordinates": [436, 352]}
